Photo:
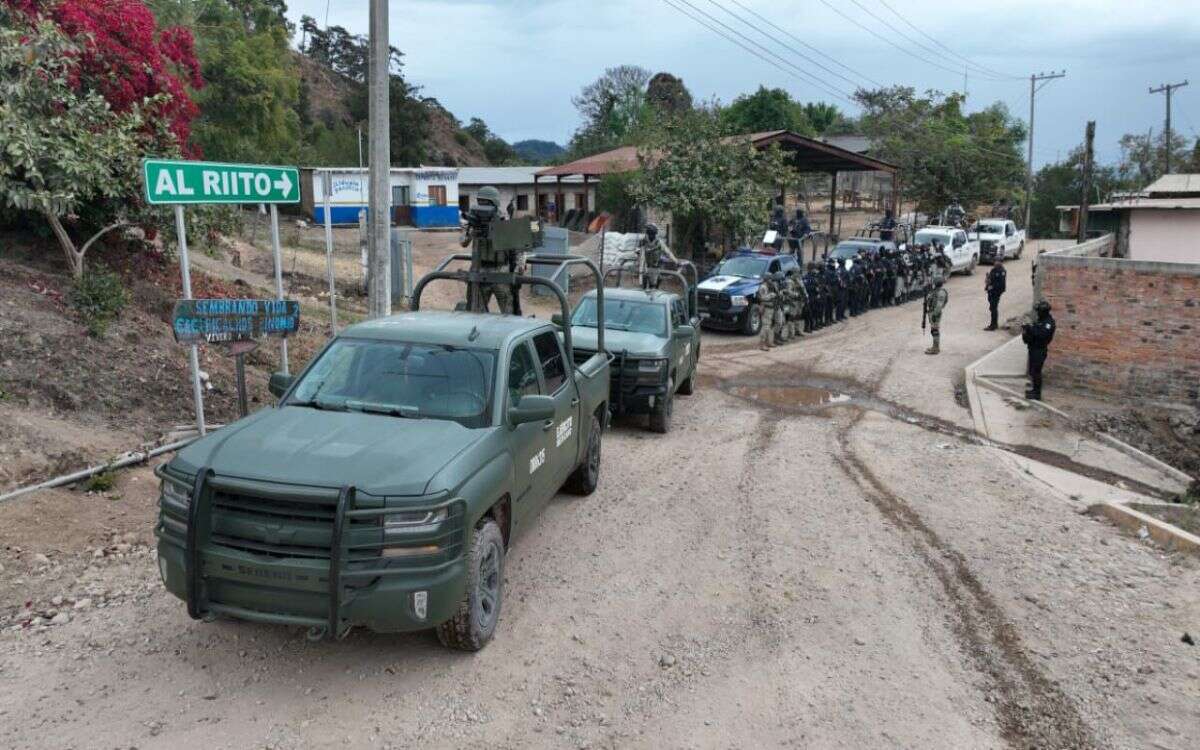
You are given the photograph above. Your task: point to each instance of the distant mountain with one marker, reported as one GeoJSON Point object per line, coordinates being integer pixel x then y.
{"type": "Point", "coordinates": [538, 152]}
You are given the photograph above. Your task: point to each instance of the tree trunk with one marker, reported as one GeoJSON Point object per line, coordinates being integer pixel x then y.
{"type": "Point", "coordinates": [74, 257]}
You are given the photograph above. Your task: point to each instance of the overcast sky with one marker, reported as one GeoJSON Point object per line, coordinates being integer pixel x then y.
{"type": "Point", "coordinates": [516, 63]}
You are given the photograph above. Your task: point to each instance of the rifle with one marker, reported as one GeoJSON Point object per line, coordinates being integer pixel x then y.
{"type": "Point", "coordinates": [924, 308]}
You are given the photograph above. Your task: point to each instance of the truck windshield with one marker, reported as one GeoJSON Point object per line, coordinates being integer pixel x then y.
{"type": "Point", "coordinates": [416, 381]}
{"type": "Point", "coordinates": [928, 238]}
{"type": "Point", "coordinates": [990, 229]}
{"type": "Point", "coordinates": [624, 315]}
{"type": "Point", "coordinates": [751, 268]}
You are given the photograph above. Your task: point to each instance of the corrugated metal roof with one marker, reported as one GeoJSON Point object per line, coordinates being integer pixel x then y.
{"type": "Point", "coordinates": [859, 144]}
{"type": "Point", "coordinates": [810, 154]}
{"type": "Point", "coordinates": [1189, 203]}
{"type": "Point", "coordinates": [501, 175]}
{"type": "Point", "coordinates": [1179, 185]}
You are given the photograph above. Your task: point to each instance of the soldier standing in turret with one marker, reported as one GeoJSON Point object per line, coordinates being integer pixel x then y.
{"type": "Point", "coordinates": [652, 249]}
{"type": "Point", "coordinates": [477, 236]}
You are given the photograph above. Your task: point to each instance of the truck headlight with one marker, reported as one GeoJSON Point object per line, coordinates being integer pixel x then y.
{"type": "Point", "coordinates": [175, 495]}
{"type": "Point", "coordinates": [407, 523]}
{"type": "Point", "coordinates": [738, 300]}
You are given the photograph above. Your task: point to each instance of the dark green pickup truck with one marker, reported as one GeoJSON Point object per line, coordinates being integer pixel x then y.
{"type": "Point", "coordinates": [654, 337]}
{"type": "Point", "coordinates": [384, 488]}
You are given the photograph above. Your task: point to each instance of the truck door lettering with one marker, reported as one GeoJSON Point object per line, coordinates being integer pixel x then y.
{"type": "Point", "coordinates": [538, 459]}
{"type": "Point", "coordinates": [565, 428]}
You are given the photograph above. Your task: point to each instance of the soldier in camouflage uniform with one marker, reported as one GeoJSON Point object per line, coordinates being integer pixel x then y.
{"type": "Point", "coordinates": [934, 304]}
{"type": "Point", "coordinates": [653, 250]}
{"type": "Point", "coordinates": [799, 305]}
{"type": "Point", "coordinates": [489, 260]}
{"type": "Point", "coordinates": [770, 301]}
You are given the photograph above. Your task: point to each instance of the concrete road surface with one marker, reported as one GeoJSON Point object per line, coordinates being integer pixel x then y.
{"type": "Point", "coordinates": [820, 554]}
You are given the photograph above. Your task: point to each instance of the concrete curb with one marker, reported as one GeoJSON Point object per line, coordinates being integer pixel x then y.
{"type": "Point", "coordinates": [1137, 455]}
{"type": "Point", "coordinates": [1131, 519]}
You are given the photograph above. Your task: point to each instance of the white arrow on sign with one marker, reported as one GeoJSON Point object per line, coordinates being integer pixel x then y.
{"type": "Point", "coordinates": [284, 183]}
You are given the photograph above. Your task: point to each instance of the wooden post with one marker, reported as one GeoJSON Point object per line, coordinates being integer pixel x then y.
{"type": "Point", "coordinates": [558, 201]}
{"type": "Point", "coordinates": [1090, 137]}
{"type": "Point", "coordinates": [537, 200]}
{"type": "Point", "coordinates": [833, 189]}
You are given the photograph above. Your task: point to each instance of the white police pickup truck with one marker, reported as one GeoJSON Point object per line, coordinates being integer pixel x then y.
{"type": "Point", "coordinates": [963, 252]}
{"type": "Point", "coordinates": [998, 237]}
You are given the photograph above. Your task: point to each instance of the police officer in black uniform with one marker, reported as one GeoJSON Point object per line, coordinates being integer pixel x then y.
{"type": "Point", "coordinates": [1037, 337]}
{"type": "Point", "coordinates": [995, 284]}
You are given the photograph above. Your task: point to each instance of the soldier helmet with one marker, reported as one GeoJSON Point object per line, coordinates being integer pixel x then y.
{"type": "Point", "coordinates": [651, 230]}
{"type": "Point", "coordinates": [488, 194]}
{"type": "Point", "coordinates": [937, 282]}
{"type": "Point", "coordinates": [1042, 307]}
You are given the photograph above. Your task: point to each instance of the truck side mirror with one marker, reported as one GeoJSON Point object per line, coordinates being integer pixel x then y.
{"type": "Point", "coordinates": [557, 319]}
{"type": "Point", "coordinates": [280, 383]}
{"type": "Point", "coordinates": [684, 332]}
{"type": "Point", "coordinates": [531, 409]}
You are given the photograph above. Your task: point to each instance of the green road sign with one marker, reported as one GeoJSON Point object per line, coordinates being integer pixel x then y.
{"type": "Point", "coordinates": [182, 182]}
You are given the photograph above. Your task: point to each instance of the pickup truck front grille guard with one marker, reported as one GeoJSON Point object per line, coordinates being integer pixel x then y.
{"type": "Point", "coordinates": [336, 548]}
{"type": "Point", "coordinates": [197, 510]}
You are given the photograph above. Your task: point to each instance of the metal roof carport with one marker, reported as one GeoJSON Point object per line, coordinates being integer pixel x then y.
{"type": "Point", "coordinates": [807, 155]}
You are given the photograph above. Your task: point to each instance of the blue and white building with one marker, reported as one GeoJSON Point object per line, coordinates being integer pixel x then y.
{"type": "Point", "coordinates": [423, 197]}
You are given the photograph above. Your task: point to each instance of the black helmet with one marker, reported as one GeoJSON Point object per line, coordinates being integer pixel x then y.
{"type": "Point", "coordinates": [651, 230]}
{"type": "Point", "coordinates": [1042, 307]}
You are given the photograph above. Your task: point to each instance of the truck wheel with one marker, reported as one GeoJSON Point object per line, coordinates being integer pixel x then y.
{"type": "Point", "coordinates": [688, 387]}
{"type": "Point", "coordinates": [660, 415]}
{"type": "Point", "coordinates": [752, 321]}
{"type": "Point", "coordinates": [474, 624]}
{"type": "Point", "coordinates": [1020, 249]}
{"type": "Point", "coordinates": [586, 476]}
{"type": "Point", "coordinates": [971, 266]}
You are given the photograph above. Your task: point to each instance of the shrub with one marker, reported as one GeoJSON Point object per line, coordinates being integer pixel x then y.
{"type": "Point", "coordinates": [98, 296]}
{"type": "Point", "coordinates": [102, 482]}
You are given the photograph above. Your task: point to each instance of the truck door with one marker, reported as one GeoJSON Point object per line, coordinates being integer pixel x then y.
{"type": "Point", "coordinates": [681, 349]}
{"type": "Point", "coordinates": [563, 435]}
{"type": "Point", "coordinates": [529, 441]}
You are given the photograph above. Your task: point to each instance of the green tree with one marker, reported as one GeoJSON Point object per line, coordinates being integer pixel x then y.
{"type": "Point", "coordinates": [1144, 157]}
{"type": "Point", "coordinates": [693, 167]}
{"type": "Point", "coordinates": [1061, 184]}
{"type": "Point", "coordinates": [827, 119]}
{"type": "Point", "coordinates": [942, 152]}
{"type": "Point", "coordinates": [764, 110]}
{"type": "Point", "coordinates": [63, 147]}
{"type": "Point", "coordinates": [667, 94]}
{"type": "Point", "coordinates": [612, 107]}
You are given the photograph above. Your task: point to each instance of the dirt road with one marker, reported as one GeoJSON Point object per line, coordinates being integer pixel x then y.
{"type": "Point", "coordinates": [818, 555]}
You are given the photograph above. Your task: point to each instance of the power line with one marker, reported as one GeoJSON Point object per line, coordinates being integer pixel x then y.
{"type": "Point", "coordinates": [935, 40]}
{"type": "Point", "coordinates": [886, 40]}
{"type": "Point", "coordinates": [1168, 89]}
{"type": "Point", "coordinates": [748, 44]}
{"type": "Point", "coordinates": [806, 45]}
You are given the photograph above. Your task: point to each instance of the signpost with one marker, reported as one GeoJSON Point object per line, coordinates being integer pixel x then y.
{"type": "Point", "coordinates": [235, 323]}
{"type": "Point", "coordinates": [179, 183]}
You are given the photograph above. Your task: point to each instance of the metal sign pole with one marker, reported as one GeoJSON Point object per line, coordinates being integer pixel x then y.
{"type": "Point", "coordinates": [243, 402]}
{"type": "Point", "coordinates": [193, 353]}
{"type": "Point", "coordinates": [327, 187]}
{"type": "Point", "coordinates": [283, 349]}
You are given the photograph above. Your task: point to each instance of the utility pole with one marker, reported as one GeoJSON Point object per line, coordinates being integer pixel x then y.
{"type": "Point", "coordinates": [1088, 153]}
{"type": "Point", "coordinates": [379, 257]}
{"type": "Point", "coordinates": [1034, 80]}
{"type": "Point", "coordinates": [1168, 89]}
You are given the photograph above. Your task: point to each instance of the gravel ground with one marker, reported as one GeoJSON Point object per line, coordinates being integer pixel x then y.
{"type": "Point", "coordinates": [774, 572]}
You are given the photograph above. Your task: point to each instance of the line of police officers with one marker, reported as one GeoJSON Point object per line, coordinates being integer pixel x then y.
{"type": "Point", "coordinates": [830, 292]}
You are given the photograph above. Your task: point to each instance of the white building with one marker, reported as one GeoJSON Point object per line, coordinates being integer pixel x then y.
{"type": "Point", "coordinates": [1161, 223]}
{"type": "Point", "coordinates": [516, 186]}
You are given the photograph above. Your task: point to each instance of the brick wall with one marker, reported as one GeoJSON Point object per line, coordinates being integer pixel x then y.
{"type": "Point", "coordinates": [1128, 329]}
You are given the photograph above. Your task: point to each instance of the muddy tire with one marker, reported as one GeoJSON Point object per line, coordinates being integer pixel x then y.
{"type": "Point", "coordinates": [660, 415]}
{"type": "Point", "coordinates": [752, 321]}
{"type": "Point", "coordinates": [970, 269]}
{"type": "Point", "coordinates": [1020, 250]}
{"type": "Point", "coordinates": [586, 476]}
{"type": "Point", "coordinates": [474, 624]}
{"type": "Point", "coordinates": [688, 387]}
